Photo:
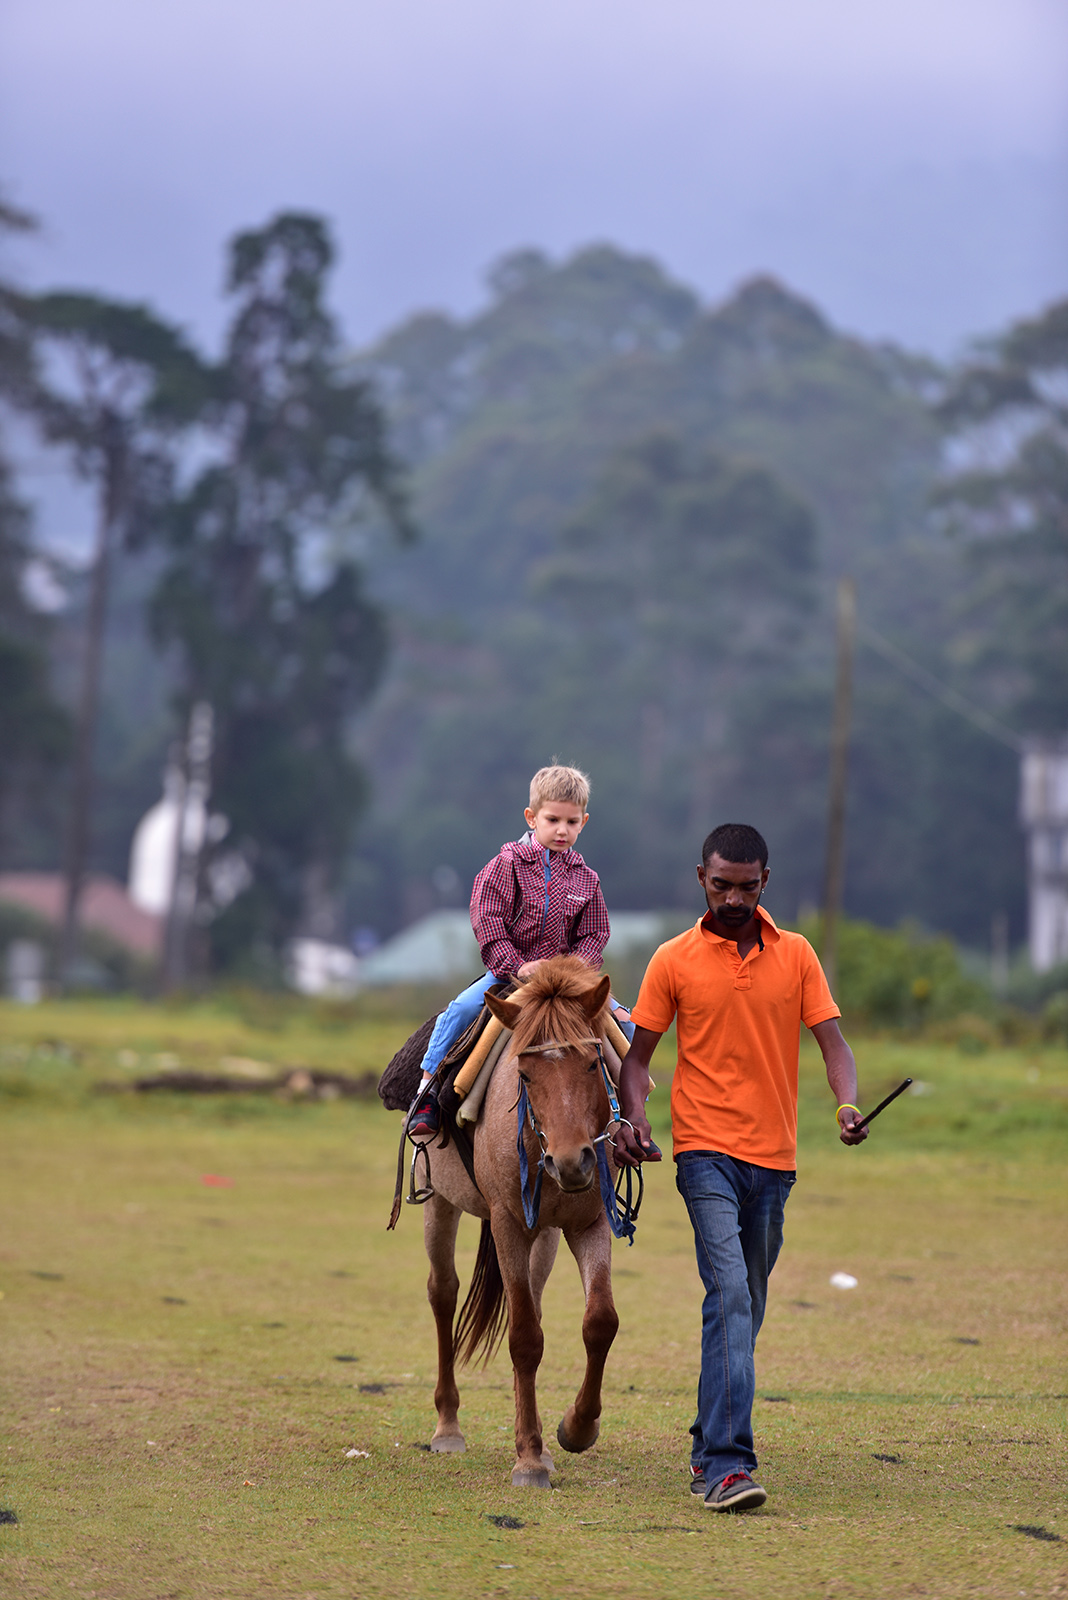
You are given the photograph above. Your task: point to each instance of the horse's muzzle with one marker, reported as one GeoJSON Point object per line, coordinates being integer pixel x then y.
{"type": "Point", "coordinates": [574, 1173]}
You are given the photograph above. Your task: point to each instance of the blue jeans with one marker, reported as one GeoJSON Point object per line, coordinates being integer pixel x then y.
{"type": "Point", "coordinates": [458, 1015]}
{"type": "Point", "coordinates": [736, 1210]}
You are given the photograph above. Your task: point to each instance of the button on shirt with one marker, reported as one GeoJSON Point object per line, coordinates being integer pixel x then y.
{"type": "Point", "coordinates": [738, 1034]}
{"type": "Point", "coordinates": [529, 903]}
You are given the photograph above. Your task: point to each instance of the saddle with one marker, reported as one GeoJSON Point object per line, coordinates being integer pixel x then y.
{"type": "Point", "coordinates": [399, 1083]}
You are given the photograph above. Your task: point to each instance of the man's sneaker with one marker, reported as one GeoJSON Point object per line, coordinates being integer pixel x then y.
{"type": "Point", "coordinates": [697, 1481]}
{"type": "Point", "coordinates": [735, 1492]}
{"type": "Point", "coordinates": [424, 1119]}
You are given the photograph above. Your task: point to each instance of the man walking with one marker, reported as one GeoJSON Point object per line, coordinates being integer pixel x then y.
{"type": "Point", "coordinates": [739, 989]}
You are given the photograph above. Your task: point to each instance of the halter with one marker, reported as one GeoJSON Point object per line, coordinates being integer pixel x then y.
{"type": "Point", "coordinates": [621, 1211]}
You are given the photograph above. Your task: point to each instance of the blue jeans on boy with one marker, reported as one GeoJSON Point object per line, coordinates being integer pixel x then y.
{"type": "Point", "coordinates": [736, 1210]}
{"type": "Point", "coordinates": [458, 1015]}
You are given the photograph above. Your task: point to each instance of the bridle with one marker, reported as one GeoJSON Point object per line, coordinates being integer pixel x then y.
{"type": "Point", "coordinates": [620, 1209]}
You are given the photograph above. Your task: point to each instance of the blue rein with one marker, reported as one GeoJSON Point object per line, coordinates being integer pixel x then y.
{"type": "Point", "coordinates": [531, 1200]}
{"type": "Point", "coordinates": [620, 1221]}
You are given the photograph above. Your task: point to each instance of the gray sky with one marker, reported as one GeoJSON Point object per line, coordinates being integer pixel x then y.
{"type": "Point", "coordinates": [902, 163]}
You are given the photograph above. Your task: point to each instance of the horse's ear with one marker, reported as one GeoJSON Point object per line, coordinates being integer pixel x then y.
{"type": "Point", "coordinates": [597, 998]}
{"type": "Point", "coordinates": [506, 1011]}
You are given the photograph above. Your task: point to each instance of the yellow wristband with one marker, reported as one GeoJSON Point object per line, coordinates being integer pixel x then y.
{"type": "Point", "coordinates": [846, 1107]}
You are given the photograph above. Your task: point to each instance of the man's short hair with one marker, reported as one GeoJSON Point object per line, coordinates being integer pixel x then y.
{"type": "Point", "coordinates": [735, 841]}
{"type": "Point", "coordinates": [565, 784]}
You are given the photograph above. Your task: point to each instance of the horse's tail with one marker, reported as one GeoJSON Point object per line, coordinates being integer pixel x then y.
{"type": "Point", "coordinates": [484, 1314]}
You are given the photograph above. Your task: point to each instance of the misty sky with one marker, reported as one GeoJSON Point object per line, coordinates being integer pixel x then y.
{"type": "Point", "coordinates": [904, 164]}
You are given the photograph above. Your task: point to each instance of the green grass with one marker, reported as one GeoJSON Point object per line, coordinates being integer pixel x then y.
{"type": "Point", "coordinates": [176, 1417]}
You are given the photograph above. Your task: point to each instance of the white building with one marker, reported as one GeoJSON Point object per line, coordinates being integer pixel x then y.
{"type": "Point", "coordinates": [1044, 814]}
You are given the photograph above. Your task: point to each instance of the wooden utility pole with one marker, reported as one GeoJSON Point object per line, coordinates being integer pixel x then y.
{"type": "Point", "coordinates": [834, 870]}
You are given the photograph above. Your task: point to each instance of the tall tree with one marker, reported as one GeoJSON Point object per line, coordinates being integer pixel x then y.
{"type": "Point", "coordinates": [34, 730]}
{"type": "Point", "coordinates": [1007, 498]}
{"type": "Point", "coordinates": [112, 384]}
{"type": "Point", "coordinates": [262, 591]}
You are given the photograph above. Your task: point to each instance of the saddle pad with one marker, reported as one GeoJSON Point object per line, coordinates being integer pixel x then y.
{"type": "Point", "coordinates": [471, 1106]}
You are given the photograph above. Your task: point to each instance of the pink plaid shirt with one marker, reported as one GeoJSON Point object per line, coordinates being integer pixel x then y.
{"type": "Point", "coordinates": [529, 903]}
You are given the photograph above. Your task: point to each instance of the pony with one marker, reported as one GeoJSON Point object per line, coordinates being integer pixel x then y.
{"type": "Point", "coordinates": [546, 1109]}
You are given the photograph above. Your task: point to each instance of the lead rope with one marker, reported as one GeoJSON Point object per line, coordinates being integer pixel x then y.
{"type": "Point", "coordinates": [621, 1220]}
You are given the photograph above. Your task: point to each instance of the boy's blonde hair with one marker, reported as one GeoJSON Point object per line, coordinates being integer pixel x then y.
{"type": "Point", "coordinates": [566, 784]}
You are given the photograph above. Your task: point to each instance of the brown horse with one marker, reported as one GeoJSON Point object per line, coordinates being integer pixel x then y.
{"type": "Point", "coordinates": [556, 1019]}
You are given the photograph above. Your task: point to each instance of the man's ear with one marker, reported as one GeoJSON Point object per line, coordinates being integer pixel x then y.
{"type": "Point", "coordinates": [597, 999]}
{"type": "Point", "coordinates": [506, 1011]}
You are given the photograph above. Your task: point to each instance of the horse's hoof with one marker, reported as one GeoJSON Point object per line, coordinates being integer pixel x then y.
{"type": "Point", "coordinates": [448, 1444]}
{"type": "Point", "coordinates": [547, 1461]}
{"type": "Point", "coordinates": [530, 1478]}
{"type": "Point", "coordinates": [573, 1442]}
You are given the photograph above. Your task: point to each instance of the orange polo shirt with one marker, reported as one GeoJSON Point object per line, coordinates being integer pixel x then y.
{"type": "Point", "coordinates": [739, 1028]}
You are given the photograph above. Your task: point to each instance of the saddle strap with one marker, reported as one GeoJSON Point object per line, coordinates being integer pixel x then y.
{"type": "Point", "coordinates": [399, 1190]}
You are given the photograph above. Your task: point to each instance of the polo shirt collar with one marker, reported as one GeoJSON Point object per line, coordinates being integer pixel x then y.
{"type": "Point", "coordinates": [768, 932]}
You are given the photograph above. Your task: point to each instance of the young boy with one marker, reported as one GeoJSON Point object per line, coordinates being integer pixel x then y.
{"type": "Point", "coordinates": [537, 898]}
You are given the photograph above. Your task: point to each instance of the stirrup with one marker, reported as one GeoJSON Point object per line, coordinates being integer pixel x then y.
{"type": "Point", "coordinates": [418, 1195]}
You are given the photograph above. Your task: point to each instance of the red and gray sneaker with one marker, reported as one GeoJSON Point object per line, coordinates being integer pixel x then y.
{"type": "Point", "coordinates": [697, 1481]}
{"type": "Point", "coordinates": [735, 1492]}
{"type": "Point", "coordinates": [424, 1119]}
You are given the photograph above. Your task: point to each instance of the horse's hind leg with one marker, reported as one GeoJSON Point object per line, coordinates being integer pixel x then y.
{"type": "Point", "coordinates": [440, 1223]}
{"type": "Point", "coordinates": [592, 1250]}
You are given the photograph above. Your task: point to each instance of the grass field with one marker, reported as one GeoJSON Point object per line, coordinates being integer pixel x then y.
{"type": "Point", "coordinates": [186, 1365]}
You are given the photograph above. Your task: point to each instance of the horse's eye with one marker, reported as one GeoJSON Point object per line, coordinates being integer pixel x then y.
{"type": "Point", "coordinates": [592, 1067]}
{"type": "Point", "coordinates": [523, 1078]}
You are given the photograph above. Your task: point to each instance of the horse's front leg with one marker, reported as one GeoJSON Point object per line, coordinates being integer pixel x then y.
{"type": "Point", "coordinates": [542, 1256]}
{"type": "Point", "coordinates": [440, 1223]}
{"type": "Point", "coordinates": [525, 1344]}
{"type": "Point", "coordinates": [592, 1249]}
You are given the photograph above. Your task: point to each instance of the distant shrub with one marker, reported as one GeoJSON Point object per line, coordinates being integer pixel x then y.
{"type": "Point", "coordinates": [1055, 1017]}
{"type": "Point", "coordinates": [903, 978]}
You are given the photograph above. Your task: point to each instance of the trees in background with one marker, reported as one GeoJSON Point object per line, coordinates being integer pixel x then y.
{"type": "Point", "coordinates": [34, 729]}
{"type": "Point", "coordinates": [243, 484]}
{"type": "Point", "coordinates": [1006, 499]}
{"type": "Point", "coordinates": [113, 385]}
{"type": "Point", "coordinates": [262, 598]}
{"type": "Point", "coordinates": [635, 511]}
{"type": "Point", "coordinates": [520, 429]}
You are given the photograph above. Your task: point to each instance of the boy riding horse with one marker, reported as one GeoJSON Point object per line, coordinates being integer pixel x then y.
{"type": "Point", "coordinates": [537, 898]}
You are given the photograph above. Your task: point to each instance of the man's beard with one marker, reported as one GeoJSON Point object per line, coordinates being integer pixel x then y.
{"type": "Point", "coordinates": [733, 916]}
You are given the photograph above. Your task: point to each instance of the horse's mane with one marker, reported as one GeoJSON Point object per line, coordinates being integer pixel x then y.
{"type": "Point", "coordinates": [551, 1005]}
